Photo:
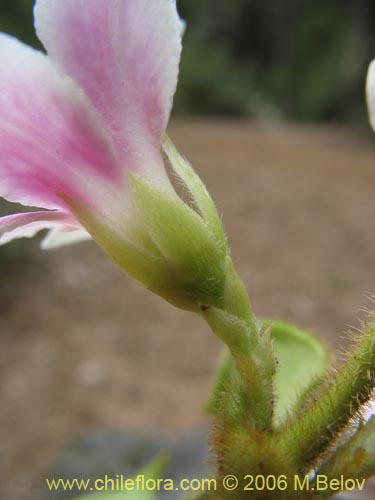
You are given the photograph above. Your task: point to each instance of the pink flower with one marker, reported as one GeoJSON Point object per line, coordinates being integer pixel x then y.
{"type": "Point", "coordinates": [81, 133]}
{"type": "Point", "coordinates": [73, 123]}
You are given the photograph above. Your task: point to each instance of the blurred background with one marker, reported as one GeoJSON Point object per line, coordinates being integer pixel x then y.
{"type": "Point", "coordinates": [270, 110]}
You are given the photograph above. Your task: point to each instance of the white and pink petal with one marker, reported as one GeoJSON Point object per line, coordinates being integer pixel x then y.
{"type": "Point", "coordinates": [53, 144]}
{"type": "Point", "coordinates": [26, 225]}
{"type": "Point", "coordinates": [62, 236]}
{"type": "Point", "coordinates": [125, 55]}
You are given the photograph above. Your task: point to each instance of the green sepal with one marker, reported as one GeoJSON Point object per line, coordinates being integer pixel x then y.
{"type": "Point", "coordinates": [151, 471]}
{"type": "Point", "coordinates": [129, 247]}
{"type": "Point", "coordinates": [195, 260]}
{"type": "Point", "coordinates": [197, 190]}
{"type": "Point", "coordinates": [302, 360]}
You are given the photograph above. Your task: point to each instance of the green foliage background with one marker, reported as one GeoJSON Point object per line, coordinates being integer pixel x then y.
{"type": "Point", "coordinates": [301, 59]}
{"type": "Point", "coordinates": [295, 59]}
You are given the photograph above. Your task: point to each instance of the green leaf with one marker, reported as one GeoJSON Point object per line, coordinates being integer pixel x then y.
{"type": "Point", "coordinates": [152, 471]}
{"type": "Point", "coordinates": [221, 382]}
{"type": "Point", "coordinates": [302, 361]}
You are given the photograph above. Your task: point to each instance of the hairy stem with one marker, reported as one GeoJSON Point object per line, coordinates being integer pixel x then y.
{"type": "Point", "coordinates": [307, 437]}
{"type": "Point", "coordinates": [234, 322]}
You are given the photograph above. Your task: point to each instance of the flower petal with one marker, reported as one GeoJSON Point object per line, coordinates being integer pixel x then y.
{"type": "Point", "coordinates": [370, 90]}
{"type": "Point", "coordinates": [125, 55]}
{"type": "Point", "coordinates": [52, 142]}
{"type": "Point", "coordinates": [26, 225]}
{"type": "Point", "coordinates": [57, 238]}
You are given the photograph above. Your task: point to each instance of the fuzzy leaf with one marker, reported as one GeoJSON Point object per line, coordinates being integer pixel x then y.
{"type": "Point", "coordinates": [302, 361]}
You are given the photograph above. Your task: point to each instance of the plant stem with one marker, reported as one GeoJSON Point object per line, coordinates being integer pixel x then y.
{"type": "Point", "coordinates": [235, 323]}
{"type": "Point", "coordinates": [303, 441]}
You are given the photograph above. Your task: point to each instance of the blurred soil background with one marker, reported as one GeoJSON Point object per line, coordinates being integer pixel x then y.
{"type": "Point", "coordinates": [274, 120]}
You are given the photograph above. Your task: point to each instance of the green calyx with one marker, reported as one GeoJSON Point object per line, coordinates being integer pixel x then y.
{"type": "Point", "coordinates": [192, 258]}
{"type": "Point", "coordinates": [176, 250]}
{"type": "Point", "coordinates": [200, 197]}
